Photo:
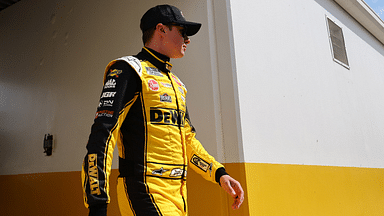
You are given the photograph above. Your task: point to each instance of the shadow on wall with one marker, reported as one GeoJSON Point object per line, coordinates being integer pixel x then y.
{"type": "Point", "coordinates": [5, 148]}
{"type": "Point", "coordinates": [26, 113]}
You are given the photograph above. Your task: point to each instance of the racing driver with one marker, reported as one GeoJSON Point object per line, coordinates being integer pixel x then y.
{"type": "Point", "coordinates": [143, 109]}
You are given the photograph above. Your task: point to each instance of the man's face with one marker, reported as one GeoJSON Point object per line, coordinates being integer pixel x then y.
{"type": "Point", "coordinates": [175, 42]}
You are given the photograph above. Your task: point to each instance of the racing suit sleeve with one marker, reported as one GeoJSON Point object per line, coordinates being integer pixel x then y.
{"type": "Point", "coordinates": [120, 86]}
{"type": "Point", "coordinates": [199, 159]}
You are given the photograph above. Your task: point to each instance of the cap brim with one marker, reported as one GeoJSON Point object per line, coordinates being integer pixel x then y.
{"type": "Point", "coordinates": [192, 27]}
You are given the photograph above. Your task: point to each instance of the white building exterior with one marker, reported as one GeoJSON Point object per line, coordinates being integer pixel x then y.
{"type": "Point", "coordinates": [301, 132]}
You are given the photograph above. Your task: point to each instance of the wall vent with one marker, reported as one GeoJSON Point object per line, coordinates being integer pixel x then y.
{"type": "Point", "coordinates": [336, 40]}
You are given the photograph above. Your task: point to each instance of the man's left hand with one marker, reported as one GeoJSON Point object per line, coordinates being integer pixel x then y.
{"type": "Point", "coordinates": [233, 188]}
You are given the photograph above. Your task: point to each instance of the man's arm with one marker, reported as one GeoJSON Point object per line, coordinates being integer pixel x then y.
{"type": "Point", "coordinates": [209, 168]}
{"type": "Point", "coordinates": [119, 88]}
{"type": "Point", "coordinates": [199, 159]}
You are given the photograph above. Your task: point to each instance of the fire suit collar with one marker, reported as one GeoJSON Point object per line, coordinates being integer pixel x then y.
{"type": "Point", "coordinates": [157, 59]}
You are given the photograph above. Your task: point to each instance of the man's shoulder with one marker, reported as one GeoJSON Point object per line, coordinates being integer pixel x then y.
{"type": "Point", "coordinates": [123, 67]}
{"type": "Point", "coordinates": [126, 64]}
{"type": "Point", "coordinates": [133, 62]}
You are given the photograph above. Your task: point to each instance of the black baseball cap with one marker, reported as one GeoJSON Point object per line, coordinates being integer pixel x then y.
{"type": "Point", "coordinates": [167, 14]}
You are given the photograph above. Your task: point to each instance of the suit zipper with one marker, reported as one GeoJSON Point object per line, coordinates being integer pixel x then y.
{"type": "Point", "coordinates": [181, 134]}
{"type": "Point", "coordinates": [185, 205]}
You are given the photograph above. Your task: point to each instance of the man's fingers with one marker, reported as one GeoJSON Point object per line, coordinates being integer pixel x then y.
{"type": "Point", "coordinates": [239, 197]}
{"type": "Point", "coordinates": [238, 189]}
{"type": "Point", "coordinates": [237, 202]}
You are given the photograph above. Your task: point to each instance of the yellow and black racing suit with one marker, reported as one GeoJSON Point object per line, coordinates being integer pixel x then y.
{"type": "Point", "coordinates": [143, 110]}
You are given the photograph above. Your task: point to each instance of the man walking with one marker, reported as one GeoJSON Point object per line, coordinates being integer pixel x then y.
{"type": "Point", "coordinates": [143, 109]}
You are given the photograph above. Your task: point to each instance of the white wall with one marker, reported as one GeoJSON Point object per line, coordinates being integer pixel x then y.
{"type": "Point", "coordinates": [297, 105]}
{"type": "Point", "coordinates": [270, 85]}
{"type": "Point", "coordinates": [53, 55]}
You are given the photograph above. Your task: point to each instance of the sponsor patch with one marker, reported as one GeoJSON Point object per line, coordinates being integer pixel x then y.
{"type": "Point", "coordinates": [108, 94]}
{"type": "Point", "coordinates": [167, 116]}
{"type": "Point", "coordinates": [159, 171]}
{"type": "Point", "coordinates": [93, 174]}
{"type": "Point", "coordinates": [165, 98]}
{"type": "Point", "coordinates": [114, 72]}
{"type": "Point", "coordinates": [181, 90]}
{"type": "Point", "coordinates": [110, 84]}
{"type": "Point", "coordinates": [168, 85]}
{"type": "Point", "coordinates": [202, 164]}
{"type": "Point", "coordinates": [105, 113]}
{"type": "Point", "coordinates": [108, 103]}
{"type": "Point", "coordinates": [176, 80]}
{"type": "Point", "coordinates": [153, 85]}
{"type": "Point", "coordinates": [153, 71]}
{"type": "Point", "coordinates": [135, 63]}
{"type": "Point", "coordinates": [168, 66]}
{"type": "Point", "coordinates": [176, 172]}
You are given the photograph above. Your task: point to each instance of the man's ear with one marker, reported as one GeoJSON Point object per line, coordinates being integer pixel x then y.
{"type": "Point", "coordinates": [160, 27]}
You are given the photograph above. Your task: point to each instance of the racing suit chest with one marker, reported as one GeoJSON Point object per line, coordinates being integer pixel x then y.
{"type": "Point", "coordinates": [163, 105]}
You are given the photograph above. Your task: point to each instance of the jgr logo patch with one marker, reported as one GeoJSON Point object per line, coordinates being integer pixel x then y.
{"type": "Point", "coordinates": [167, 116]}
{"type": "Point", "coordinates": [153, 85]}
{"type": "Point", "coordinates": [108, 94]}
{"type": "Point", "coordinates": [165, 98]}
{"type": "Point", "coordinates": [202, 164]}
{"type": "Point", "coordinates": [93, 174]}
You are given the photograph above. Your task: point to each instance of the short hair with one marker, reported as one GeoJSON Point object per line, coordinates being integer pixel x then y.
{"type": "Point", "coordinates": [148, 34]}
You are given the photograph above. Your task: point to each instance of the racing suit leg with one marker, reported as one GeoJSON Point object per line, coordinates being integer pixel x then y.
{"type": "Point", "coordinates": [134, 200]}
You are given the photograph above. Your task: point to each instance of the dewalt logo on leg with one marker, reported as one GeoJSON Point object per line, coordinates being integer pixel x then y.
{"type": "Point", "coordinates": [93, 174]}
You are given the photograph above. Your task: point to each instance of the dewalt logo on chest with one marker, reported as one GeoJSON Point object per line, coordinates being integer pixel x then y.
{"type": "Point", "coordinates": [167, 116]}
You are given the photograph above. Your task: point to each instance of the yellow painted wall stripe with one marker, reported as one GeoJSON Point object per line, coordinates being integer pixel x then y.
{"type": "Point", "coordinates": [58, 193]}
{"type": "Point", "coordinates": [271, 190]}
{"type": "Point", "coordinates": [297, 190]}
{"type": "Point", "coordinates": [276, 189]}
